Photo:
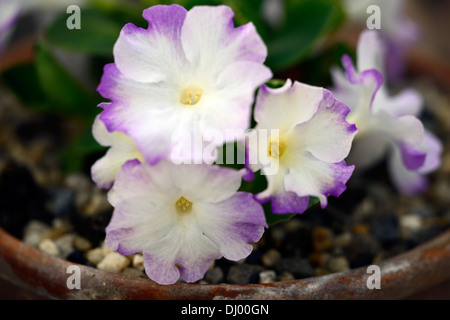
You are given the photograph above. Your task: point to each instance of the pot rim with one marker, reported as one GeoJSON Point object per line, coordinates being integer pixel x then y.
{"type": "Point", "coordinates": [45, 276]}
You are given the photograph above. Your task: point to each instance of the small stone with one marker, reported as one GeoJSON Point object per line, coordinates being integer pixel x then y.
{"type": "Point", "coordinates": [105, 248]}
{"type": "Point", "coordinates": [82, 244]}
{"type": "Point", "coordinates": [97, 203]}
{"type": "Point", "coordinates": [319, 271]}
{"type": "Point", "coordinates": [95, 255]}
{"type": "Point", "coordinates": [360, 228]}
{"type": "Point", "coordinates": [267, 276]}
{"type": "Point", "coordinates": [285, 276]}
{"type": "Point", "coordinates": [319, 259]}
{"type": "Point", "coordinates": [409, 224]}
{"type": "Point", "coordinates": [386, 229]}
{"type": "Point", "coordinates": [342, 240]}
{"type": "Point", "coordinates": [76, 257]}
{"type": "Point", "coordinates": [59, 227]}
{"type": "Point", "coordinates": [62, 200]}
{"type": "Point", "coordinates": [338, 264]}
{"type": "Point", "coordinates": [271, 257]}
{"type": "Point", "coordinates": [65, 244]}
{"type": "Point", "coordinates": [49, 247]}
{"type": "Point", "coordinates": [34, 232]}
{"type": "Point", "coordinates": [299, 267]}
{"type": "Point", "coordinates": [138, 261]}
{"type": "Point", "coordinates": [214, 275]}
{"type": "Point", "coordinates": [244, 273]}
{"type": "Point", "coordinates": [362, 250]}
{"type": "Point", "coordinates": [113, 262]}
{"type": "Point", "coordinates": [322, 239]}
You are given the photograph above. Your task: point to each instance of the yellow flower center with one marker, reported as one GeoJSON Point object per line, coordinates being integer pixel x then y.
{"type": "Point", "coordinates": [276, 149]}
{"type": "Point", "coordinates": [191, 95]}
{"type": "Point", "coordinates": [183, 205]}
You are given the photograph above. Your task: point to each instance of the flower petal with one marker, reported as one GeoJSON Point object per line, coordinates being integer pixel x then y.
{"type": "Point", "coordinates": [313, 177]}
{"type": "Point", "coordinates": [285, 107]}
{"type": "Point", "coordinates": [151, 55]}
{"type": "Point", "coordinates": [211, 42]}
{"type": "Point", "coordinates": [233, 223]}
{"type": "Point", "coordinates": [122, 150]}
{"type": "Point", "coordinates": [327, 135]}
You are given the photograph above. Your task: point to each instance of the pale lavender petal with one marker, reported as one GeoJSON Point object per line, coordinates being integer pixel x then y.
{"type": "Point", "coordinates": [233, 223]}
{"type": "Point", "coordinates": [327, 135]}
{"type": "Point", "coordinates": [288, 202]}
{"type": "Point", "coordinates": [211, 42]}
{"type": "Point", "coordinates": [313, 177]}
{"type": "Point", "coordinates": [153, 54]}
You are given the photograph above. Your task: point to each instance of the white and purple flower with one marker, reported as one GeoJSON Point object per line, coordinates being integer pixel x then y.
{"type": "Point", "coordinates": [308, 151]}
{"type": "Point", "coordinates": [398, 32]}
{"type": "Point", "coordinates": [385, 123]}
{"type": "Point", "coordinates": [189, 71]}
{"type": "Point", "coordinates": [182, 217]}
{"type": "Point", "coordinates": [121, 149]}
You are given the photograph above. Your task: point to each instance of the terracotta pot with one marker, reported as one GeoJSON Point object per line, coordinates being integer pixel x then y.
{"type": "Point", "coordinates": [27, 273]}
{"type": "Point", "coordinates": [423, 272]}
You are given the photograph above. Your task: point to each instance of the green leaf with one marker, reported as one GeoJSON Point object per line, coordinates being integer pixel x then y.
{"type": "Point", "coordinates": [306, 22]}
{"type": "Point", "coordinates": [74, 154]}
{"type": "Point", "coordinates": [65, 94]}
{"type": "Point", "coordinates": [23, 81]}
{"type": "Point", "coordinates": [97, 35]}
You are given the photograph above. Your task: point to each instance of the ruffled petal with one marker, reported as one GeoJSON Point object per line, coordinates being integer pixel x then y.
{"type": "Point", "coordinates": [220, 222]}
{"type": "Point", "coordinates": [285, 107]}
{"type": "Point", "coordinates": [153, 54]}
{"type": "Point", "coordinates": [313, 177]}
{"type": "Point", "coordinates": [232, 224]}
{"type": "Point", "coordinates": [211, 42]}
{"type": "Point", "coordinates": [327, 135]}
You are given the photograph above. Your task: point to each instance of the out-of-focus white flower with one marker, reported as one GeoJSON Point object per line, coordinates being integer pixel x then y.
{"type": "Point", "coordinates": [386, 124]}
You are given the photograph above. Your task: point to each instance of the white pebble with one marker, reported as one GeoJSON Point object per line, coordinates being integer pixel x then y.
{"type": "Point", "coordinates": [409, 224]}
{"type": "Point", "coordinates": [138, 261]}
{"type": "Point", "coordinates": [82, 244]}
{"type": "Point", "coordinates": [65, 244]}
{"type": "Point", "coordinates": [113, 262]}
{"type": "Point", "coordinates": [95, 255]}
{"type": "Point", "coordinates": [34, 232]}
{"type": "Point", "coordinates": [49, 247]}
{"type": "Point", "coordinates": [267, 276]}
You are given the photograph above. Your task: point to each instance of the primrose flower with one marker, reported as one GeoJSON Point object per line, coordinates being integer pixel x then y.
{"type": "Point", "coordinates": [182, 217]}
{"type": "Point", "coordinates": [305, 155]}
{"type": "Point", "coordinates": [121, 149]}
{"type": "Point", "coordinates": [187, 72]}
{"type": "Point", "coordinates": [397, 30]}
{"type": "Point", "coordinates": [386, 124]}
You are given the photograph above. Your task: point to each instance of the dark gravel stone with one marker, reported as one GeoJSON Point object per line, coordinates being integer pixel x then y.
{"type": "Point", "coordinates": [362, 250]}
{"type": "Point", "coordinates": [386, 229]}
{"type": "Point", "coordinates": [299, 267]}
{"type": "Point", "coordinates": [214, 276]}
{"type": "Point", "coordinates": [244, 273]}
{"type": "Point", "coordinates": [21, 199]}
{"type": "Point", "coordinates": [77, 257]}
{"type": "Point", "coordinates": [61, 201]}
